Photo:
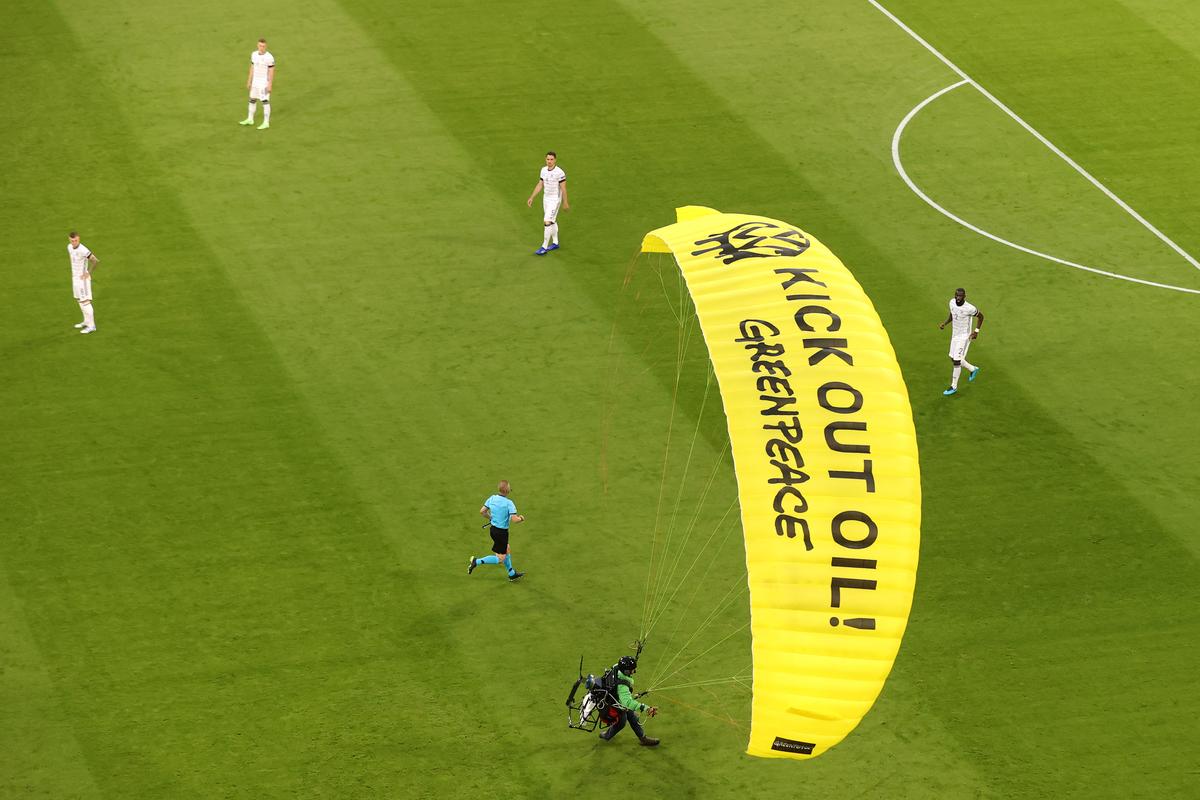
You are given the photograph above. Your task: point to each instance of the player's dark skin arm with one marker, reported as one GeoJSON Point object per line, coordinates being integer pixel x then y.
{"type": "Point", "coordinates": [947, 322]}
{"type": "Point", "coordinates": [978, 323]}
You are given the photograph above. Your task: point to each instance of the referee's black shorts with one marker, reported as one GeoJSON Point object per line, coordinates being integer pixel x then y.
{"type": "Point", "coordinates": [499, 540]}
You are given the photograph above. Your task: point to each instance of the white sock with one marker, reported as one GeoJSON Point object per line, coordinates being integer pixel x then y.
{"type": "Point", "coordinates": [968, 365]}
{"type": "Point", "coordinates": [546, 237]}
{"type": "Point", "coordinates": [89, 315]}
{"type": "Point", "coordinates": [266, 111]}
{"type": "Point", "coordinates": [83, 310]}
{"type": "Point", "coordinates": [554, 233]}
{"type": "Point", "coordinates": [250, 111]}
{"type": "Point", "coordinates": [954, 377]}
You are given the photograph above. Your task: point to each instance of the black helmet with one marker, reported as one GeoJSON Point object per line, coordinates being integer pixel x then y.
{"type": "Point", "coordinates": [627, 664]}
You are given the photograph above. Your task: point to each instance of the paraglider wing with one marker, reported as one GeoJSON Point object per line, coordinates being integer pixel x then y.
{"type": "Point", "coordinates": [825, 456]}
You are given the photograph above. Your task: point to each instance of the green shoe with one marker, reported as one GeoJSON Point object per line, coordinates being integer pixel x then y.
{"type": "Point", "coordinates": [248, 121]}
{"type": "Point", "coordinates": [264, 126]}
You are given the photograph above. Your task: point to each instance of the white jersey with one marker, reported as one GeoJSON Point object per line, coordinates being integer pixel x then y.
{"type": "Point", "coordinates": [262, 62]}
{"type": "Point", "coordinates": [551, 178]}
{"type": "Point", "coordinates": [960, 317]}
{"type": "Point", "coordinates": [79, 259]}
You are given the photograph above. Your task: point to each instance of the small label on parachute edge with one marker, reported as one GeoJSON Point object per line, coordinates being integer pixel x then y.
{"type": "Point", "coordinates": [792, 746]}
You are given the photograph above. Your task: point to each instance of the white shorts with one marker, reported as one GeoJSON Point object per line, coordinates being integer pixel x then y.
{"type": "Point", "coordinates": [82, 288]}
{"type": "Point", "coordinates": [259, 93]}
{"type": "Point", "coordinates": [550, 209]}
{"type": "Point", "coordinates": [959, 345]}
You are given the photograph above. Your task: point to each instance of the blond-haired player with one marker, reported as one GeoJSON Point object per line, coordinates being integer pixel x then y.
{"type": "Point", "coordinates": [502, 512]}
{"type": "Point", "coordinates": [83, 262]}
{"type": "Point", "coordinates": [259, 82]}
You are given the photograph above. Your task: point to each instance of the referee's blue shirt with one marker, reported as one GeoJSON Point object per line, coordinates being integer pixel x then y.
{"type": "Point", "coordinates": [502, 508]}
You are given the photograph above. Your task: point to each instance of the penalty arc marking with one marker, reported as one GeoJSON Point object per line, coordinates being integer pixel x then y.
{"type": "Point", "coordinates": [1050, 145]}
{"type": "Point", "coordinates": [975, 228]}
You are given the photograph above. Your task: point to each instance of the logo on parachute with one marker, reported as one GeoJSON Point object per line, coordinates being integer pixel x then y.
{"type": "Point", "coordinates": [792, 746]}
{"type": "Point", "coordinates": [754, 240]}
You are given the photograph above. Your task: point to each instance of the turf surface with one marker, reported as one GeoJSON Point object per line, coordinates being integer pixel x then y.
{"type": "Point", "coordinates": [235, 521]}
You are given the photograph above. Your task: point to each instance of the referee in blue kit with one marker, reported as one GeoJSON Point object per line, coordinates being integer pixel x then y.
{"type": "Point", "coordinates": [501, 511]}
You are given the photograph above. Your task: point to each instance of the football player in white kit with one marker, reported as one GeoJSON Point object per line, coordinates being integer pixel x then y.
{"type": "Point", "coordinates": [83, 261]}
{"type": "Point", "coordinates": [262, 75]}
{"type": "Point", "coordinates": [962, 333]}
{"type": "Point", "coordinates": [552, 182]}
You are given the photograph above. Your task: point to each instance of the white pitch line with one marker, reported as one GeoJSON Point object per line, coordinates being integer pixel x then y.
{"type": "Point", "coordinates": [967, 78]}
{"type": "Point", "coordinates": [941, 210]}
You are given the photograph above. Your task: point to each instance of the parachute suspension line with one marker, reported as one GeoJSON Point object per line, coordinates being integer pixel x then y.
{"type": "Point", "coordinates": [677, 314]}
{"type": "Point", "coordinates": [663, 606]}
{"type": "Point", "coordinates": [684, 333]}
{"type": "Point", "coordinates": [658, 548]}
{"type": "Point", "coordinates": [691, 684]}
{"type": "Point", "coordinates": [657, 600]}
{"type": "Point", "coordinates": [666, 675]}
{"type": "Point", "coordinates": [666, 454]}
{"type": "Point", "coordinates": [660, 586]}
{"type": "Point", "coordinates": [692, 660]}
{"type": "Point", "coordinates": [692, 566]}
{"type": "Point", "coordinates": [681, 286]}
{"type": "Point", "coordinates": [742, 726]}
{"type": "Point", "coordinates": [666, 548]}
{"type": "Point", "coordinates": [720, 702]}
{"type": "Point", "coordinates": [700, 583]}
{"type": "Point", "coordinates": [725, 602]}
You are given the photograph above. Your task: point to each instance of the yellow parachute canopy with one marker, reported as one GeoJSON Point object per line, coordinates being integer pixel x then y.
{"type": "Point", "coordinates": [826, 460]}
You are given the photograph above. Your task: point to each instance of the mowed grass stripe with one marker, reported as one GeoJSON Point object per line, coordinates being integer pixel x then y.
{"type": "Point", "coordinates": [1028, 584]}
{"type": "Point", "coordinates": [213, 604]}
{"type": "Point", "coordinates": [42, 757]}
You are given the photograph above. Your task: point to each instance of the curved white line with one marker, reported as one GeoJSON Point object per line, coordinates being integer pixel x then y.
{"type": "Point", "coordinates": [917, 190]}
{"type": "Point", "coordinates": [1070, 161]}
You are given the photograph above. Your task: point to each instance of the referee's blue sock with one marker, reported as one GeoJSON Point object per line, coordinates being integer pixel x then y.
{"type": "Point", "coordinates": [508, 565]}
{"type": "Point", "coordinates": [489, 560]}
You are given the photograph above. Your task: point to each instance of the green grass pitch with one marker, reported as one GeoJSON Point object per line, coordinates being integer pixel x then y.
{"type": "Point", "coordinates": [234, 523]}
